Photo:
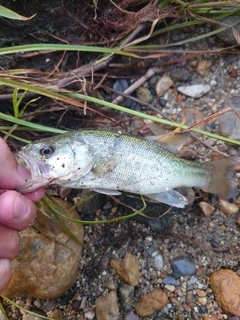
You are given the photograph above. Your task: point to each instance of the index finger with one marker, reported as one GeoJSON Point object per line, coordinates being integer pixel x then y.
{"type": "Point", "coordinates": [12, 174]}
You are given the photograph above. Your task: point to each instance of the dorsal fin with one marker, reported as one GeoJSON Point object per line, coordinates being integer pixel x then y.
{"type": "Point", "coordinates": [173, 141]}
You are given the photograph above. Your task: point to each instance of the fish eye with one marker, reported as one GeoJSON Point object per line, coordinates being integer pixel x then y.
{"type": "Point", "coordinates": [46, 151]}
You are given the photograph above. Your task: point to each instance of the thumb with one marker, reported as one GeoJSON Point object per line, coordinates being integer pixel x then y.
{"type": "Point", "coordinates": [12, 174]}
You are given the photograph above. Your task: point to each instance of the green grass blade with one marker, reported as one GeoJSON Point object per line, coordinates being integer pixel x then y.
{"type": "Point", "coordinates": [7, 13]}
{"type": "Point", "coordinates": [146, 116]}
{"type": "Point", "coordinates": [34, 126]}
{"type": "Point", "coordinates": [60, 47]}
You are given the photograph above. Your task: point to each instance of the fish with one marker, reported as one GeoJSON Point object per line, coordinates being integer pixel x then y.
{"type": "Point", "coordinates": [112, 162]}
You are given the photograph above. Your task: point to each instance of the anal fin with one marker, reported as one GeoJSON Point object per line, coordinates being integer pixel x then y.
{"type": "Point", "coordinates": [172, 198]}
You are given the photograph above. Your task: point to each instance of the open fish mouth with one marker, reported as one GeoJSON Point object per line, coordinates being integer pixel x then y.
{"type": "Point", "coordinates": [39, 171]}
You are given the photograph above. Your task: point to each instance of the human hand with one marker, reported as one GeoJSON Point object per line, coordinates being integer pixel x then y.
{"type": "Point", "coordinates": [17, 212]}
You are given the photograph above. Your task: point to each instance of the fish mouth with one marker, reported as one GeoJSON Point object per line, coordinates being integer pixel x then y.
{"type": "Point", "coordinates": [39, 172]}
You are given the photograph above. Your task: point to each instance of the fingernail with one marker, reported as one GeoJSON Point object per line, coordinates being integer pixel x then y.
{"type": "Point", "coordinates": [19, 207]}
{"type": "Point", "coordinates": [23, 172]}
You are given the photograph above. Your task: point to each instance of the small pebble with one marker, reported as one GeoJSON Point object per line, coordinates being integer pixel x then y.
{"type": "Point", "coordinates": [227, 207]}
{"type": "Point", "coordinates": [107, 307]}
{"type": "Point", "coordinates": [229, 123]}
{"type": "Point", "coordinates": [163, 85]}
{"type": "Point", "coordinates": [169, 280]}
{"type": "Point", "coordinates": [189, 296]}
{"type": "Point", "coordinates": [206, 208]}
{"type": "Point", "coordinates": [201, 293]}
{"type": "Point", "coordinates": [202, 67]}
{"type": "Point", "coordinates": [182, 266]}
{"type": "Point", "coordinates": [131, 316]}
{"type": "Point", "coordinates": [180, 74]}
{"type": "Point", "coordinates": [127, 269]}
{"type": "Point", "coordinates": [195, 91]}
{"type": "Point", "coordinates": [110, 284]}
{"type": "Point", "coordinates": [144, 94]}
{"type": "Point", "coordinates": [126, 295]}
{"type": "Point", "coordinates": [187, 308]}
{"type": "Point", "coordinates": [202, 301]}
{"type": "Point", "coordinates": [170, 287]}
{"type": "Point", "coordinates": [158, 262]}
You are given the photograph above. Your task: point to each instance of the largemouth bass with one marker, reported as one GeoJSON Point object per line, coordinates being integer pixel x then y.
{"type": "Point", "coordinates": [110, 162]}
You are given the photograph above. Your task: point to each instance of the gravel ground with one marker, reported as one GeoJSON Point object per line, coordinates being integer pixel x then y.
{"type": "Point", "coordinates": [209, 242]}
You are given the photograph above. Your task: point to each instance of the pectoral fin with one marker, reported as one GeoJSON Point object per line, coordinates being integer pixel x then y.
{"type": "Point", "coordinates": [172, 198]}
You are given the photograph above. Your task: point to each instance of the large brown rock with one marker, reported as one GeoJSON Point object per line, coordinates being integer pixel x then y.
{"type": "Point", "coordinates": [226, 286]}
{"type": "Point", "coordinates": [107, 307]}
{"type": "Point", "coordinates": [151, 302]}
{"type": "Point", "coordinates": [47, 264]}
{"type": "Point", "coordinates": [127, 269]}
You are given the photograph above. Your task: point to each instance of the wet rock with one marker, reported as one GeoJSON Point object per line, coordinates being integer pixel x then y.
{"type": "Point", "coordinates": [202, 300]}
{"type": "Point", "coordinates": [144, 94]}
{"type": "Point", "coordinates": [162, 102]}
{"type": "Point", "coordinates": [194, 315]}
{"type": "Point", "coordinates": [163, 85]}
{"type": "Point", "coordinates": [182, 266]}
{"type": "Point", "coordinates": [47, 264]}
{"type": "Point", "coordinates": [189, 296]}
{"type": "Point", "coordinates": [180, 74]}
{"type": "Point", "coordinates": [107, 307]}
{"type": "Point", "coordinates": [151, 302]}
{"type": "Point", "coordinates": [57, 314]}
{"type": "Point", "coordinates": [131, 316]}
{"type": "Point", "coordinates": [121, 85]}
{"type": "Point", "coordinates": [169, 280]}
{"type": "Point", "coordinates": [229, 123]}
{"type": "Point", "coordinates": [89, 315]}
{"type": "Point", "coordinates": [158, 262]}
{"type": "Point", "coordinates": [170, 287]}
{"type": "Point", "coordinates": [201, 293]}
{"type": "Point", "coordinates": [226, 287]}
{"type": "Point", "coordinates": [227, 36]}
{"type": "Point", "coordinates": [127, 269]}
{"type": "Point", "coordinates": [126, 295]}
{"type": "Point", "coordinates": [187, 308]}
{"type": "Point", "coordinates": [193, 116]}
{"type": "Point", "coordinates": [153, 210]}
{"type": "Point", "coordinates": [195, 91]}
{"type": "Point", "coordinates": [109, 284]}
{"type": "Point", "coordinates": [202, 67]}
{"type": "Point", "coordinates": [90, 207]}
{"type": "Point", "coordinates": [227, 207]}
{"type": "Point", "coordinates": [206, 208]}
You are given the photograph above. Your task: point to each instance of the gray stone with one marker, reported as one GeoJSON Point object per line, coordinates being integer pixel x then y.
{"type": "Point", "coordinates": [131, 316]}
{"type": "Point", "coordinates": [227, 36]}
{"type": "Point", "coordinates": [195, 91]}
{"type": "Point", "coordinates": [158, 262]}
{"type": "Point", "coordinates": [126, 295]}
{"type": "Point", "coordinates": [229, 123]}
{"type": "Point", "coordinates": [169, 280]}
{"type": "Point", "coordinates": [182, 266]}
{"type": "Point", "coordinates": [180, 74]}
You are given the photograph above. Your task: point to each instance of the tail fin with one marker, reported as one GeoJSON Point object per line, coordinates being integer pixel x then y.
{"type": "Point", "coordinates": [222, 181]}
